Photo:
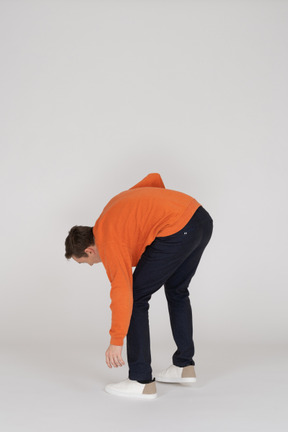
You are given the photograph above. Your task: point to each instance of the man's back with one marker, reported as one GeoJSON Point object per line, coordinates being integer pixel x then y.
{"type": "Point", "coordinates": [134, 218]}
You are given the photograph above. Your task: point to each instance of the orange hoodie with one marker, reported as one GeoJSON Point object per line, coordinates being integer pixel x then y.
{"type": "Point", "coordinates": [128, 223]}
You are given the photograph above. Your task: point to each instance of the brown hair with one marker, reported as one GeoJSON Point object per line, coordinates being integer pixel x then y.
{"type": "Point", "coordinates": [78, 239]}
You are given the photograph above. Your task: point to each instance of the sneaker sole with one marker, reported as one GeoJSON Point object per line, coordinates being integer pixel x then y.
{"type": "Point", "coordinates": [134, 395]}
{"type": "Point", "coordinates": [175, 380]}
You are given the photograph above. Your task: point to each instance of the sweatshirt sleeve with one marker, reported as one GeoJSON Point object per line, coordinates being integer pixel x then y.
{"type": "Point", "coordinates": [117, 262]}
{"type": "Point", "coordinates": [151, 180]}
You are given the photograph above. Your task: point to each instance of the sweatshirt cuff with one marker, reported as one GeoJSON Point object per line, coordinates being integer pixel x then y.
{"type": "Point", "coordinates": [116, 341]}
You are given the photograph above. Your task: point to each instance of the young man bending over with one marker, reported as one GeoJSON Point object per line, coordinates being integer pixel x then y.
{"type": "Point", "coordinates": [162, 233]}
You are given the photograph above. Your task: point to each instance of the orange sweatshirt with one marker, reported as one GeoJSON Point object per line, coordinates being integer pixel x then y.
{"type": "Point", "coordinates": [128, 223]}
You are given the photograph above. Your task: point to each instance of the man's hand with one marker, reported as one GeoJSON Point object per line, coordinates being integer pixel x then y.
{"type": "Point", "coordinates": [113, 356]}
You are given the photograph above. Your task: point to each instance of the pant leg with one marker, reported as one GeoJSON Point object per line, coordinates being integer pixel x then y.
{"type": "Point", "coordinates": [157, 264]}
{"type": "Point", "coordinates": [177, 294]}
{"type": "Point", "coordinates": [152, 270]}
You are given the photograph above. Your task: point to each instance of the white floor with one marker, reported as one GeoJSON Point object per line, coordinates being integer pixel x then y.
{"type": "Point", "coordinates": [55, 388]}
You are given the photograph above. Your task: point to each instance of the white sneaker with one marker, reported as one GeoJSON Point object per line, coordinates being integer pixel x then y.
{"type": "Point", "coordinates": [132, 388]}
{"type": "Point", "coordinates": [176, 374]}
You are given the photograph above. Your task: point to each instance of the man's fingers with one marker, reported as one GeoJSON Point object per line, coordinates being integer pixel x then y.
{"type": "Point", "coordinates": [120, 361]}
{"type": "Point", "coordinates": [114, 362]}
{"type": "Point", "coordinates": [108, 362]}
{"type": "Point", "coordinates": [114, 358]}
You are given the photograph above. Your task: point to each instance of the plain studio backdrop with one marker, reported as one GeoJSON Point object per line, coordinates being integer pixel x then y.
{"type": "Point", "coordinates": [95, 95]}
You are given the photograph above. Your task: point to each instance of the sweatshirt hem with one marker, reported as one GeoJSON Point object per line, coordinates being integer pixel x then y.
{"type": "Point", "coordinates": [182, 221]}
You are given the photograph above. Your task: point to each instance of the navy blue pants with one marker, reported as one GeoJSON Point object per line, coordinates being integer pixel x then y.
{"type": "Point", "coordinates": [170, 261]}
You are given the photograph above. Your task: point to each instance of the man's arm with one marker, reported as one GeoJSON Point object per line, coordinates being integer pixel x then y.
{"type": "Point", "coordinates": [117, 263]}
{"type": "Point", "coordinates": [151, 180]}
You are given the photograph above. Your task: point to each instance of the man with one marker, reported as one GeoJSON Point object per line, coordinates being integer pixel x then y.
{"type": "Point", "coordinates": [163, 233]}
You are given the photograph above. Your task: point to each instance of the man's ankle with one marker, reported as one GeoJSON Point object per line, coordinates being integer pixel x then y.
{"type": "Point", "coordinates": [146, 382]}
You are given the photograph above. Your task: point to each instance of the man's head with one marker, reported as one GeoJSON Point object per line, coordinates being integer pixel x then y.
{"type": "Point", "coordinates": [80, 245]}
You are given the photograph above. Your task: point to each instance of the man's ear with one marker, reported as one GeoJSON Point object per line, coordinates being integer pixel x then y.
{"type": "Point", "coordinates": [89, 250]}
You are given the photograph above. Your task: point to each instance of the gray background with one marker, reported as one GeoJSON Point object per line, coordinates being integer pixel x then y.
{"type": "Point", "coordinates": [94, 96]}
